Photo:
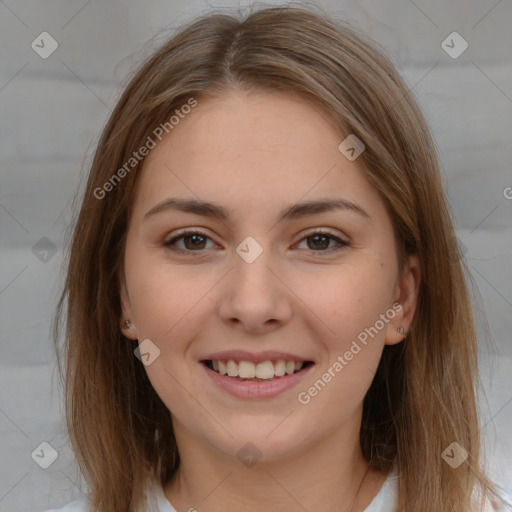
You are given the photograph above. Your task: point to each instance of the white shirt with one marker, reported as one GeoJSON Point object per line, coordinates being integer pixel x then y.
{"type": "Point", "coordinates": [384, 501]}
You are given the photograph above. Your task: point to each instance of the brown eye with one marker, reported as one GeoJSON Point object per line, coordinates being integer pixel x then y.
{"type": "Point", "coordinates": [192, 241]}
{"type": "Point", "coordinates": [319, 241]}
{"type": "Point", "coordinates": [322, 242]}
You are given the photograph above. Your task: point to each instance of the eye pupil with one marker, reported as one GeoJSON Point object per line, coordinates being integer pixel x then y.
{"type": "Point", "coordinates": [197, 240]}
{"type": "Point", "coordinates": [316, 239]}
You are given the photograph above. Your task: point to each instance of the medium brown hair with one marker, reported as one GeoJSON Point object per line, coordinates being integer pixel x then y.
{"type": "Point", "coordinates": [423, 395]}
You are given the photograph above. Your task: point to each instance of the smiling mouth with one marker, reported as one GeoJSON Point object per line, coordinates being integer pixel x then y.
{"type": "Point", "coordinates": [265, 371]}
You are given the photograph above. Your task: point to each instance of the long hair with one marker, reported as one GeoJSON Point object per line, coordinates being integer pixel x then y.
{"type": "Point", "coordinates": [423, 396]}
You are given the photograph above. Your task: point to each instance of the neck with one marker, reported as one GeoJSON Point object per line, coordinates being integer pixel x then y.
{"type": "Point", "coordinates": [326, 476]}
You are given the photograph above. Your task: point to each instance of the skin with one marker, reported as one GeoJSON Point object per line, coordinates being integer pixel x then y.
{"type": "Point", "coordinates": [254, 154]}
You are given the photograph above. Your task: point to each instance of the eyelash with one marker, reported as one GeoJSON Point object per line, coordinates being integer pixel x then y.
{"type": "Point", "coordinates": [190, 231]}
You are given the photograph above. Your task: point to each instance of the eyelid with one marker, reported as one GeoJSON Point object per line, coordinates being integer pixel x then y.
{"type": "Point", "coordinates": [188, 231]}
{"type": "Point", "coordinates": [192, 231]}
{"type": "Point", "coordinates": [322, 231]}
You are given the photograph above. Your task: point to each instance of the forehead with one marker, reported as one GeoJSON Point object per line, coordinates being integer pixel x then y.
{"type": "Point", "coordinates": [251, 150]}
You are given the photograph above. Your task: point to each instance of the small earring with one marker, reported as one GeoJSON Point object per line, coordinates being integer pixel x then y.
{"type": "Point", "coordinates": [128, 324]}
{"type": "Point", "coordinates": [401, 330]}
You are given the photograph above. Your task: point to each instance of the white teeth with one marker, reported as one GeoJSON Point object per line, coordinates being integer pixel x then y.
{"type": "Point", "coordinates": [264, 370]}
{"type": "Point", "coordinates": [280, 368]}
{"type": "Point", "coordinates": [246, 370]}
{"type": "Point", "coordinates": [232, 369]}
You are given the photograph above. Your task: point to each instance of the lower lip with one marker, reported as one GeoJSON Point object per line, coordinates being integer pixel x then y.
{"type": "Point", "coordinates": [254, 389]}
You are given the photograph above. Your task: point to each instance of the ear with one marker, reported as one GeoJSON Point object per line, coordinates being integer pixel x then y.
{"type": "Point", "coordinates": [126, 312]}
{"type": "Point", "coordinates": [405, 301]}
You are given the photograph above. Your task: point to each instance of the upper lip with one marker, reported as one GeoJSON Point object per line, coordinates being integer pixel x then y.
{"type": "Point", "coordinates": [242, 355]}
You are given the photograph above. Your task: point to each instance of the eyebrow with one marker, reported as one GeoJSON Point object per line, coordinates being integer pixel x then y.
{"type": "Point", "coordinates": [294, 211]}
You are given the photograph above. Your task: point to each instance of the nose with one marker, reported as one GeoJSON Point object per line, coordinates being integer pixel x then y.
{"type": "Point", "coordinates": [254, 297]}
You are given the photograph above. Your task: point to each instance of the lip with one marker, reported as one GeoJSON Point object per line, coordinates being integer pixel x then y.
{"type": "Point", "coordinates": [242, 355]}
{"type": "Point", "coordinates": [247, 389]}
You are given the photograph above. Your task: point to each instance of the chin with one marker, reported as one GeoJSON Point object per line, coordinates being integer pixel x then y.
{"type": "Point", "coordinates": [263, 441]}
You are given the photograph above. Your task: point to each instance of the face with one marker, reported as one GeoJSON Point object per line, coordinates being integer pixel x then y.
{"type": "Point", "coordinates": [271, 280]}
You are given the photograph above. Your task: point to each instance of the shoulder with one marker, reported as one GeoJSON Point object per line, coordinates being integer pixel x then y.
{"type": "Point", "coordinates": [157, 502]}
{"type": "Point", "coordinates": [497, 500]}
{"type": "Point", "coordinates": [386, 499]}
{"type": "Point", "coordinates": [503, 505]}
{"type": "Point", "coordinates": [79, 505]}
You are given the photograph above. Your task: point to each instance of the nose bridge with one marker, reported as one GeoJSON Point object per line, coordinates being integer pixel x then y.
{"type": "Point", "coordinates": [253, 295]}
{"type": "Point", "coordinates": [251, 272]}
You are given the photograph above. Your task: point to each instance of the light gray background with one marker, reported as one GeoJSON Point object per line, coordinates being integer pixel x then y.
{"type": "Point", "coordinates": [52, 111]}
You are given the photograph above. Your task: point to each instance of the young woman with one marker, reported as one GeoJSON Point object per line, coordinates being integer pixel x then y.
{"type": "Point", "coordinates": [265, 305]}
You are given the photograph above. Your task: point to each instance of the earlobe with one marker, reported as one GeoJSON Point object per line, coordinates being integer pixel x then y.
{"type": "Point", "coordinates": [396, 331]}
{"type": "Point", "coordinates": [406, 295]}
{"type": "Point", "coordinates": [126, 324]}
{"type": "Point", "coordinates": [128, 329]}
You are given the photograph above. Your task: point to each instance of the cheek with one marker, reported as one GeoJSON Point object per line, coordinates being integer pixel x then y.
{"type": "Point", "coordinates": [165, 297]}
{"type": "Point", "coordinates": [353, 300]}
{"type": "Point", "coordinates": [170, 311]}
{"type": "Point", "coordinates": [348, 299]}
{"type": "Point", "coordinates": [360, 318]}
{"type": "Point", "coordinates": [353, 305]}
